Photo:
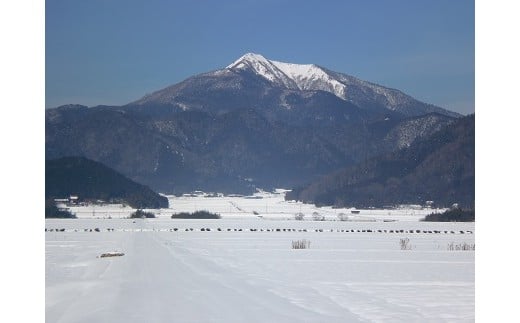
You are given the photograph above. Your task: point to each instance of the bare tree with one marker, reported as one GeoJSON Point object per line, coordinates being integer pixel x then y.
{"type": "Point", "coordinates": [343, 217]}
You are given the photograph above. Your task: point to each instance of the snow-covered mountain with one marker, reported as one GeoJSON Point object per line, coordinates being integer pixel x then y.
{"type": "Point", "coordinates": [293, 76]}
{"type": "Point", "coordinates": [307, 77]}
{"type": "Point", "coordinates": [254, 75]}
{"type": "Point", "coordinates": [256, 122]}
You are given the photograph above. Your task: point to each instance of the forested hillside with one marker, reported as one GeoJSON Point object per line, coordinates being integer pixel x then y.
{"type": "Point", "coordinates": [440, 168]}
{"type": "Point", "coordinates": [90, 180]}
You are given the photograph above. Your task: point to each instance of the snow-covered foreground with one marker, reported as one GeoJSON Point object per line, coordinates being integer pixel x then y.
{"type": "Point", "coordinates": [247, 271]}
{"type": "Point", "coordinates": [243, 268]}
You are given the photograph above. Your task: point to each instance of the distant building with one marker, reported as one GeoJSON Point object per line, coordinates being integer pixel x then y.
{"type": "Point", "coordinates": [73, 199]}
{"type": "Point", "coordinates": [253, 197]}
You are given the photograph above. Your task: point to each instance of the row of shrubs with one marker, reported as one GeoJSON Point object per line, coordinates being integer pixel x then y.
{"type": "Point", "coordinates": [453, 215]}
{"type": "Point", "coordinates": [461, 246]}
{"type": "Point", "coordinates": [196, 215]}
{"type": "Point", "coordinates": [305, 230]}
{"type": "Point", "coordinates": [75, 230]}
{"type": "Point", "coordinates": [183, 215]}
{"type": "Point", "coordinates": [405, 245]}
{"type": "Point", "coordinates": [142, 214]}
{"type": "Point", "coordinates": [301, 244]}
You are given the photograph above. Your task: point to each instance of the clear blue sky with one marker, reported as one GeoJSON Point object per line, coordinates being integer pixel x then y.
{"type": "Point", "coordinates": [115, 51]}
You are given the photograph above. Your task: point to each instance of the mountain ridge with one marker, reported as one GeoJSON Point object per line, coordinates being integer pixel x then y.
{"type": "Point", "coordinates": [439, 168]}
{"type": "Point", "coordinates": [301, 77]}
{"type": "Point", "coordinates": [234, 130]}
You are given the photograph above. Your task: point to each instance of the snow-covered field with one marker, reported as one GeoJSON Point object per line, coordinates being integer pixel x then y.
{"type": "Point", "coordinates": [265, 205]}
{"type": "Point", "coordinates": [244, 268]}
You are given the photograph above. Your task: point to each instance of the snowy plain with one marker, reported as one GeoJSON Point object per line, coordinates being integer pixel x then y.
{"type": "Point", "coordinates": [242, 267]}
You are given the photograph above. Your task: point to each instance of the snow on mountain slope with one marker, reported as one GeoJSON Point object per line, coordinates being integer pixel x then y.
{"type": "Point", "coordinates": [313, 77]}
{"type": "Point", "coordinates": [260, 65]}
{"type": "Point", "coordinates": [231, 87]}
{"type": "Point", "coordinates": [409, 130]}
{"type": "Point", "coordinates": [292, 76]}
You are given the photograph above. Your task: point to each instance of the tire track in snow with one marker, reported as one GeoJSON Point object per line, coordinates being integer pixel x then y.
{"type": "Point", "coordinates": [251, 300]}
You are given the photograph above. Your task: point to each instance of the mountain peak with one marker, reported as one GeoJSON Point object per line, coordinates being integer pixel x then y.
{"type": "Point", "coordinates": [293, 77]}
{"type": "Point", "coordinates": [260, 65]}
{"type": "Point", "coordinates": [247, 58]}
{"type": "Point", "coordinates": [311, 77]}
{"type": "Point", "coordinates": [290, 75]}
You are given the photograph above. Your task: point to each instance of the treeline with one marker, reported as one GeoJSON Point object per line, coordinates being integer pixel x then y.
{"type": "Point", "coordinates": [453, 215]}
{"type": "Point", "coordinates": [52, 211]}
{"type": "Point", "coordinates": [142, 214]}
{"type": "Point", "coordinates": [196, 215]}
